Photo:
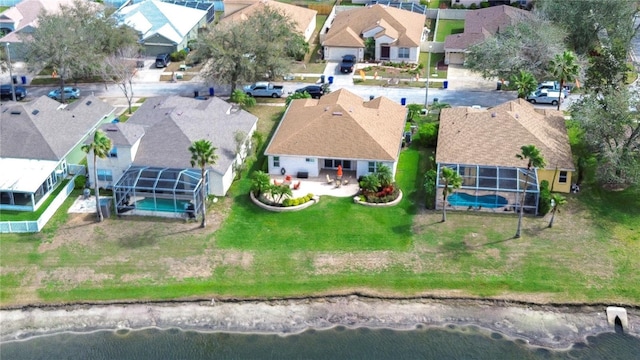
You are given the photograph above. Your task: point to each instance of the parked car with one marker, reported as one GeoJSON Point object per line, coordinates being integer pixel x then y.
{"type": "Point", "coordinates": [545, 97]}
{"type": "Point", "coordinates": [69, 93]}
{"type": "Point", "coordinates": [314, 90]}
{"type": "Point", "coordinates": [162, 60]}
{"type": "Point", "coordinates": [264, 88]}
{"type": "Point", "coordinates": [5, 92]}
{"type": "Point", "coordinates": [347, 64]}
{"type": "Point", "coordinates": [553, 86]}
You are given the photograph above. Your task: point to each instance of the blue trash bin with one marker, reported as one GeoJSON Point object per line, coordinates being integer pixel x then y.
{"type": "Point", "coordinates": [211, 91]}
{"type": "Point", "coordinates": [24, 79]}
{"type": "Point", "coordinates": [445, 84]}
{"type": "Point", "coordinates": [330, 79]}
{"type": "Point", "coordinates": [403, 101]}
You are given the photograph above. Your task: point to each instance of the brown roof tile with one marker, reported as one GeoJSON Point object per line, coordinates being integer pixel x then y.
{"type": "Point", "coordinates": [300, 15]}
{"type": "Point", "coordinates": [494, 136]}
{"type": "Point", "coordinates": [341, 125]}
{"type": "Point", "coordinates": [404, 25]}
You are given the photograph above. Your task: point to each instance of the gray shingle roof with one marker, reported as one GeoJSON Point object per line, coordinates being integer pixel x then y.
{"type": "Point", "coordinates": [171, 124]}
{"type": "Point", "coordinates": [43, 129]}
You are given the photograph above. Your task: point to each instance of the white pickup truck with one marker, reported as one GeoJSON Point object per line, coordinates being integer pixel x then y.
{"type": "Point", "coordinates": [264, 88]}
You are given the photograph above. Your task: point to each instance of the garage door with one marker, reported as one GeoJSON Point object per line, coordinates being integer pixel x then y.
{"type": "Point", "coordinates": [456, 58]}
{"type": "Point", "coordinates": [336, 53]}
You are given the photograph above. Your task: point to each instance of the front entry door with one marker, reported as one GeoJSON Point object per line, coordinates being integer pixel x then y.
{"type": "Point", "coordinates": [384, 52]}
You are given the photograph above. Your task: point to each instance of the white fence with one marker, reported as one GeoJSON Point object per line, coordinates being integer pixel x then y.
{"type": "Point", "coordinates": [38, 225]}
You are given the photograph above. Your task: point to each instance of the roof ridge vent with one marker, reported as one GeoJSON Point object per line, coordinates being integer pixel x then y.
{"type": "Point", "coordinates": [16, 112]}
{"type": "Point", "coordinates": [337, 113]}
{"type": "Point", "coordinates": [35, 112]}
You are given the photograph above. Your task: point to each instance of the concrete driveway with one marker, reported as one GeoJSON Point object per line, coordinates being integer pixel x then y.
{"type": "Point", "coordinates": [460, 78]}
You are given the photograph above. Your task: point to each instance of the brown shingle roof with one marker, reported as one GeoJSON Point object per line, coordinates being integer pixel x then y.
{"type": "Point", "coordinates": [494, 136]}
{"type": "Point", "coordinates": [341, 125]}
{"type": "Point", "coordinates": [483, 23]}
{"type": "Point", "coordinates": [300, 15]}
{"type": "Point", "coordinates": [405, 26]}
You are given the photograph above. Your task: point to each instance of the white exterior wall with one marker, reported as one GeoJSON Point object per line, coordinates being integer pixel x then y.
{"type": "Point", "coordinates": [362, 167]}
{"type": "Point", "coordinates": [220, 184]}
{"type": "Point", "coordinates": [414, 54]}
{"type": "Point", "coordinates": [309, 30]}
{"type": "Point", "coordinates": [336, 53]}
{"type": "Point", "coordinates": [295, 164]}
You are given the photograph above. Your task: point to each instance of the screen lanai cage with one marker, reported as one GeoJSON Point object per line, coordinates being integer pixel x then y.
{"type": "Point", "coordinates": [491, 188]}
{"type": "Point", "coordinates": [145, 190]}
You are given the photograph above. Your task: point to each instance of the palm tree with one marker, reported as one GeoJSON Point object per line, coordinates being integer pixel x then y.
{"type": "Point", "coordinates": [565, 68]}
{"type": "Point", "coordinates": [203, 154]}
{"type": "Point", "coordinates": [370, 183]}
{"type": "Point", "coordinates": [280, 191]}
{"type": "Point", "coordinates": [452, 180]}
{"type": "Point", "coordinates": [261, 183]}
{"type": "Point", "coordinates": [384, 174]}
{"type": "Point", "coordinates": [525, 83]}
{"type": "Point", "coordinates": [534, 160]}
{"type": "Point", "coordinates": [557, 200]}
{"type": "Point", "coordinates": [100, 146]}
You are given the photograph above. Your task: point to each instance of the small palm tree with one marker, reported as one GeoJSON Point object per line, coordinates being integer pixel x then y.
{"type": "Point", "coordinates": [100, 147]}
{"type": "Point", "coordinates": [452, 180]}
{"type": "Point", "coordinates": [565, 68]}
{"type": "Point", "coordinates": [534, 160]}
{"type": "Point", "coordinates": [279, 192]}
{"type": "Point", "coordinates": [524, 83]}
{"type": "Point", "coordinates": [260, 183]}
{"type": "Point", "coordinates": [385, 176]}
{"type": "Point", "coordinates": [203, 154]}
{"type": "Point", "coordinates": [370, 183]}
{"type": "Point", "coordinates": [557, 200]}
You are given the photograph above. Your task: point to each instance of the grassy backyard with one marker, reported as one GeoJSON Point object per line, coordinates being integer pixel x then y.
{"type": "Point", "coordinates": [591, 255]}
{"type": "Point", "coordinates": [448, 27]}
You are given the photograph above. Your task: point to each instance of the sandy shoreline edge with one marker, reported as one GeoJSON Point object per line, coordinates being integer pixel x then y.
{"type": "Point", "coordinates": [556, 327]}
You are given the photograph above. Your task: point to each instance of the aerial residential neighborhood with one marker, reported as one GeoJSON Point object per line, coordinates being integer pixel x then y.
{"type": "Point", "coordinates": [166, 150]}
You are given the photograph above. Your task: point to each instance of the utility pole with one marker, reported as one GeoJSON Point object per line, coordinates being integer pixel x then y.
{"type": "Point", "coordinates": [426, 91]}
{"type": "Point", "coordinates": [13, 86]}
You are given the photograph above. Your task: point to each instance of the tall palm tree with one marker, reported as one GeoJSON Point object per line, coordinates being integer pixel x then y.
{"type": "Point", "coordinates": [565, 68]}
{"type": "Point", "coordinates": [525, 83]}
{"type": "Point", "coordinates": [452, 180]}
{"type": "Point", "coordinates": [534, 160]}
{"type": "Point", "coordinates": [260, 183]}
{"type": "Point", "coordinates": [557, 200]}
{"type": "Point", "coordinates": [100, 147]}
{"type": "Point", "coordinates": [203, 154]}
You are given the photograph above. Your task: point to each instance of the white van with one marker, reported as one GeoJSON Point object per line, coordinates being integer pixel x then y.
{"type": "Point", "coordinates": [545, 97]}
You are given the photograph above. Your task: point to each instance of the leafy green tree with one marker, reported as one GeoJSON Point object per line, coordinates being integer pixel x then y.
{"type": "Point", "coordinates": [260, 183]}
{"type": "Point", "coordinates": [610, 126]}
{"type": "Point", "coordinates": [203, 154]}
{"type": "Point", "coordinates": [75, 41]}
{"type": "Point", "coordinates": [297, 48]}
{"type": "Point", "coordinates": [607, 69]}
{"type": "Point", "coordinates": [524, 83]}
{"type": "Point", "coordinates": [430, 187]}
{"type": "Point", "coordinates": [565, 68]}
{"type": "Point", "coordinates": [100, 147]}
{"type": "Point", "coordinates": [557, 201]}
{"type": "Point", "coordinates": [296, 95]}
{"type": "Point", "coordinates": [240, 97]}
{"type": "Point", "coordinates": [451, 180]}
{"type": "Point", "coordinates": [529, 45]}
{"type": "Point", "coordinates": [534, 159]}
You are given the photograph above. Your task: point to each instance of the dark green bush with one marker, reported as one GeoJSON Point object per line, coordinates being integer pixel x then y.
{"type": "Point", "coordinates": [427, 134]}
{"type": "Point", "coordinates": [80, 182]}
{"type": "Point", "coordinates": [484, 4]}
{"type": "Point", "coordinates": [544, 203]}
{"type": "Point", "coordinates": [178, 55]}
{"type": "Point", "coordinates": [473, 6]}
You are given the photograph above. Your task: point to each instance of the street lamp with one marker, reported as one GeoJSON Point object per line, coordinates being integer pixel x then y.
{"type": "Point", "coordinates": [426, 91]}
{"type": "Point", "coordinates": [13, 87]}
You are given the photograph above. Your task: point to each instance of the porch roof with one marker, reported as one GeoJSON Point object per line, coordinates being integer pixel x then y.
{"type": "Point", "coordinates": [24, 175]}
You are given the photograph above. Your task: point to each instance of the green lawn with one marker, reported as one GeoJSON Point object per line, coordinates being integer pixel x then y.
{"type": "Point", "coordinates": [448, 27]}
{"type": "Point", "coordinates": [434, 4]}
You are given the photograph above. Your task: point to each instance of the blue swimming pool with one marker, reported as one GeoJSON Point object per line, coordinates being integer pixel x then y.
{"type": "Point", "coordinates": [165, 205]}
{"type": "Point", "coordinates": [487, 201]}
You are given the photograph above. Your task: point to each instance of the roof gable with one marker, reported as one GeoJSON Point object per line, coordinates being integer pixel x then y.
{"type": "Point", "coordinates": [494, 136]}
{"type": "Point", "coordinates": [403, 25]}
{"type": "Point", "coordinates": [341, 124]}
{"type": "Point", "coordinates": [301, 16]}
{"type": "Point", "coordinates": [25, 14]}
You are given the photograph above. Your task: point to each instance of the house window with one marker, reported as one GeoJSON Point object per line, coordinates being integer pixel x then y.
{"type": "Point", "coordinates": [563, 177]}
{"type": "Point", "coordinates": [310, 160]}
{"type": "Point", "coordinates": [276, 161]}
{"type": "Point", "coordinates": [113, 153]}
{"type": "Point", "coordinates": [104, 175]}
{"type": "Point", "coordinates": [372, 167]}
{"type": "Point", "coordinates": [403, 53]}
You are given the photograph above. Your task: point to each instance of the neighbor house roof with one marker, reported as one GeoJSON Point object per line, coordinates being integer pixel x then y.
{"type": "Point", "coordinates": [171, 124]}
{"type": "Point", "coordinates": [341, 125]}
{"type": "Point", "coordinates": [25, 13]}
{"type": "Point", "coordinates": [298, 14]}
{"type": "Point", "coordinates": [482, 23]}
{"type": "Point", "coordinates": [494, 136]}
{"type": "Point", "coordinates": [44, 129]}
{"type": "Point", "coordinates": [151, 17]}
{"type": "Point", "coordinates": [403, 25]}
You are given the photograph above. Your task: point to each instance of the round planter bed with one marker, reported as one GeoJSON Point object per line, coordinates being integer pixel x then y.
{"type": "Point", "coordinates": [356, 199]}
{"type": "Point", "coordinates": [264, 206]}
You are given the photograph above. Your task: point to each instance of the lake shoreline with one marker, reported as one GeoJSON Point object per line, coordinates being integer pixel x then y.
{"type": "Point", "coordinates": [550, 326]}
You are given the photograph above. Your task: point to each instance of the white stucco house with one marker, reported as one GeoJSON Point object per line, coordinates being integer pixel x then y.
{"type": "Point", "coordinates": [150, 155]}
{"type": "Point", "coordinates": [398, 34]}
{"type": "Point", "coordinates": [340, 128]}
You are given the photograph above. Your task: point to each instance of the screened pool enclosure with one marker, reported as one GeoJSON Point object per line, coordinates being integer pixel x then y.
{"type": "Point", "coordinates": [146, 190]}
{"type": "Point", "coordinates": [491, 188]}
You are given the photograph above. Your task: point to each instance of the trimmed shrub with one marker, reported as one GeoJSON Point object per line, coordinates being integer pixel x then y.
{"type": "Point", "coordinates": [428, 134]}
{"type": "Point", "coordinates": [286, 202]}
{"type": "Point", "coordinates": [178, 55]}
{"type": "Point", "coordinates": [544, 202]}
{"type": "Point", "coordinates": [80, 182]}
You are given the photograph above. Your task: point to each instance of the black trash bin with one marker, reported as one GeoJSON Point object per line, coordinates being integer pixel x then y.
{"type": "Point", "coordinates": [499, 86]}
{"type": "Point", "coordinates": [196, 93]}
{"type": "Point", "coordinates": [14, 78]}
{"type": "Point", "coordinates": [321, 79]}
{"type": "Point", "coordinates": [371, 97]}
